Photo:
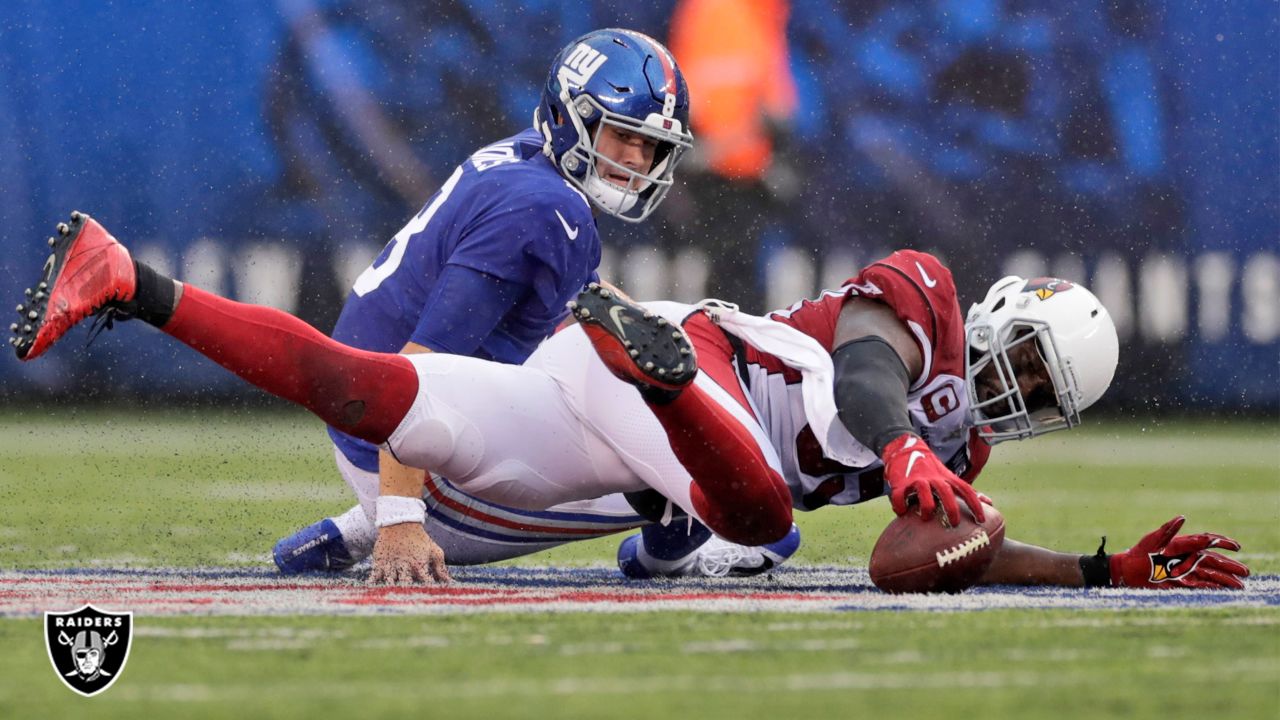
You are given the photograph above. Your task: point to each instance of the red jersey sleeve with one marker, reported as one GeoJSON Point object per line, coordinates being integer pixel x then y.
{"type": "Point", "coordinates": [922, 294]}
{"type": "Point", "coordinates": [978, 452]}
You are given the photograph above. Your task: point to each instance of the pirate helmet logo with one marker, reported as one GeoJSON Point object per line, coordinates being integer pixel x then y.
{"type": "Point", "coordinates": [88, 647]}
{"type": "Point", "coordinates": [1047, 287]}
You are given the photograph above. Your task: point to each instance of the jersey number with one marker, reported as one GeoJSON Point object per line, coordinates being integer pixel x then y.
{"type": "Point", "coordinates": [373, 275]}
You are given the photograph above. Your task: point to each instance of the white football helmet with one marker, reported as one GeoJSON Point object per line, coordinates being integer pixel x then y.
{"type": "Point", "coordinates": [1074, 337]}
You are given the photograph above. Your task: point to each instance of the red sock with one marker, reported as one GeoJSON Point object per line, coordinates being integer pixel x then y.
{"type": "Point", "coordinates": [362, 393]}
{"type": "Point", "coordinates": [735, 491]}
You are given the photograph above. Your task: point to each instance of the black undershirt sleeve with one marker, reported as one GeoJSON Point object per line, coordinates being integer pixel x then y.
{"type": "Point", "coordinates": [871, 391]}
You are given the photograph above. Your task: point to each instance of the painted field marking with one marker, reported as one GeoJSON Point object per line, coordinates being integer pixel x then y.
{"type": "Point", "coordinates": [253, 592]}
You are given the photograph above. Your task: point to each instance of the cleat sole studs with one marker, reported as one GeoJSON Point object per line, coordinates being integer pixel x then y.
{"type": "Point", "coordinates": [64, 229]}
{"type": "Point", "coordinates": [52, 242]}
{"type": "Point", "coordinates": [33, 315]}
{"type": "Point", "coordinates": [43, 286]}
{"type": "Point", "coordinates": [76, 216]}
{"type": "Point", "coordinates": [13, 327]}
{"type": "Point", "coordinates": [634, 353]}
{"type": "Point", "coordinates": [26, 328]}
{"type": "Point", "coordinates": [20, 308]}
{"type": "Point", "coordinates": [684, 351]}
{"type": "Point", "coordinates": [648, 367]}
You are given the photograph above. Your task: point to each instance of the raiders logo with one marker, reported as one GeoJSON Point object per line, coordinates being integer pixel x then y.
{"type": "Point", "coordinates": [88, 647]}
{"type": "Point", "coordinates": [1047, 287]}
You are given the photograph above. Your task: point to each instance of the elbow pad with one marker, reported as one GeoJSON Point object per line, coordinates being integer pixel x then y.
{"type": "Point", "coordinates": [871, 391]}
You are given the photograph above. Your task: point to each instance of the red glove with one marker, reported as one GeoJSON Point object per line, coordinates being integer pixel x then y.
{"type": "Point", "coordinates": [1164, 559]}
{"type": "Point", "coordinates": [911, 469]}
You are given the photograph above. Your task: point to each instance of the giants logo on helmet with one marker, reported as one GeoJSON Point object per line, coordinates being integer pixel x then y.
{"type": "Point", "coordinates": [581, 64]}
{"type": "Point", "coordinates": [1047, 287]}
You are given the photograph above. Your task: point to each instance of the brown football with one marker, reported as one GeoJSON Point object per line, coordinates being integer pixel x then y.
{"type": "Point", "coordinates": [914, 555]}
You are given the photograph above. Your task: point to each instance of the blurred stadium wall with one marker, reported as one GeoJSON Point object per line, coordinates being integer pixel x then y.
{"type": "Point", "coordinates": [267, 150]}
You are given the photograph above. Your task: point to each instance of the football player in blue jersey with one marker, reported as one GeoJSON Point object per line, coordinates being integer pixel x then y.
{"type": "Point", "coordinates": [486, 267]}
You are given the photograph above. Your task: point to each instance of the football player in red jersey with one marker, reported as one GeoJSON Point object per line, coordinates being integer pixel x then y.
{"type": "Point", "coordinates": [738, 419]}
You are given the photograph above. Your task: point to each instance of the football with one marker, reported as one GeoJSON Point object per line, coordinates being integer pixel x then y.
{"type": "Point", "coordinates": [914, 555]}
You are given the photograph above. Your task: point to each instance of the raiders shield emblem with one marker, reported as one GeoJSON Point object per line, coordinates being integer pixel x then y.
{"type": "Point", "coordinates": [88, 647]}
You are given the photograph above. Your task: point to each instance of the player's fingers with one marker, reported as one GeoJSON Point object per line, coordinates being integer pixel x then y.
{"type": "Point", "coordinates": [420, 573]}
{"type": "Point", "coordinates": [971, 499]}
{"type": "Point", "coordinates": [1184, 544]}
{"type": "Point", "coordinates": [928, 504]}
{"type": "Point", "coordinates": [439, 570]}
{"type": "Point", "coordinates": [1225, 564]}
{"type": "Point", "coordinates": [950, 505]}
{"type": "Point", "coordinates": [1221, 542]}
{"type": "Point", "coordinates": [1221, 579]}
{"type": "Point", "coordinates": [898, 500]}
{"type": "Point", "coordinates": [1157, 539]}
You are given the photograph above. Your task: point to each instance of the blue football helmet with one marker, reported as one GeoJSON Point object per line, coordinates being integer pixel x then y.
{"type": "Point", "coordinates": [623, 79]}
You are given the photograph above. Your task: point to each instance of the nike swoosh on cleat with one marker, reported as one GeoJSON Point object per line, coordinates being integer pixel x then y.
{"type": "Point", "coordinates": [615, 313]}
{"type": "Point", "coordinates": [571, 232]}
{"type": "Point", "coordinates": [928, 281]}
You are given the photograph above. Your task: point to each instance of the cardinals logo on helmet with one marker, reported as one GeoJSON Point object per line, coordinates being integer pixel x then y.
{"type": "Point", "coordinates": [1047, 287]}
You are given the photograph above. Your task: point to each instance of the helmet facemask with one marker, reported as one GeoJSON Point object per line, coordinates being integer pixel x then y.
{"type": "Point", "coordinates": [1008, 415]}
{"type": "Point", "coordinates": [645, 189]}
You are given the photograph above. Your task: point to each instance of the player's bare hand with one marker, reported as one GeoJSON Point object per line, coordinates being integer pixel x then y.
{"type": "Point", "coordinates": [404, 555]}
{"type": "Point", "coordinates": [911, 469]}
{"type": "Point", "coordinates": [1165, 559]}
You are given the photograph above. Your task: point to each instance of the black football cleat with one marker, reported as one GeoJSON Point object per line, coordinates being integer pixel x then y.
{"type": "Point", "coordinates": [636, 345]}
{"type": "Point", "coordinates": [87, 270]}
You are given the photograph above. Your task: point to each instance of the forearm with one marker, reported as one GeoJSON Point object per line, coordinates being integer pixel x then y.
{"type": "Point", "coordinates": [871, 392]}
{"type": "Point", "coordinates": [397, 479]}
{"type": "Point", "coordinates": [394, 478]}
{"type": "Point", "coordinates": [1023, 564]}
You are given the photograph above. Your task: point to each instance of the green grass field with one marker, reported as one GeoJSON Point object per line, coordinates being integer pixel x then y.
{"type": "Point", "coordinates": [190, 488]}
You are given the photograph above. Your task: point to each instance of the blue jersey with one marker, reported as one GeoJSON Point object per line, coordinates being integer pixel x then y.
{"type": "Point", "coordinates": [505, 214]}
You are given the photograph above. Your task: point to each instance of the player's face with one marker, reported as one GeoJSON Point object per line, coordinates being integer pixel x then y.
{"type": "Point", "coordinates": [630, 150]}
{"type": "Point", "coordinates": [1034, 381]}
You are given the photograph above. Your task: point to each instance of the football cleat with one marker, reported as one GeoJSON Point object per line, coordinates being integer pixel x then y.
{"type": "Point", "coordinates": [636, 345]}
{"type": "Point", "coordinates": [716, 557]}
{"type": "Point", "coordinates": [87, 270]}
{"type": "Point", "coordinates": [318, 547]}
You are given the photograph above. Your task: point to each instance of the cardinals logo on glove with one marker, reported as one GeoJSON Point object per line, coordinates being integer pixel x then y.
{"type": "Point", "coordinates": [1165, 559]}
{"type": "Point", "coordinates": [1164, 568]}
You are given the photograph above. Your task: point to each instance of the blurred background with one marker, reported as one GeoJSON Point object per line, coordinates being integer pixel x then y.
{"type": "Point", "coordinates": [267, 150]}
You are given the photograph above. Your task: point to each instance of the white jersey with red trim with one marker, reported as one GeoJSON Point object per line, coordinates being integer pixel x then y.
{"type": "Point", "coordinates": [921, 292]}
